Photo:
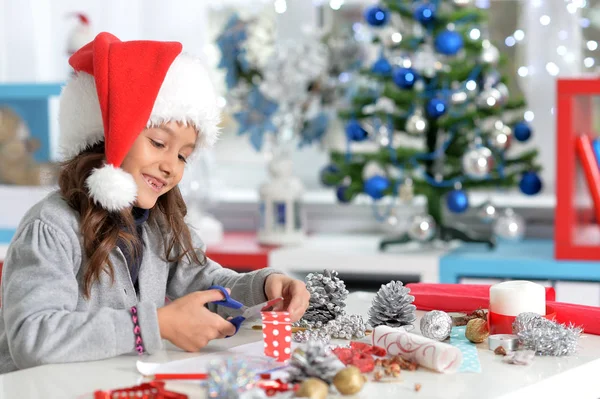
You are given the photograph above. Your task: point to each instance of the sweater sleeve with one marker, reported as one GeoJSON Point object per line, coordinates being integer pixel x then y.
{"type": "Point", "coordinates": [40, 293]}
{"type": "Point", "coordinates": [248, 288]}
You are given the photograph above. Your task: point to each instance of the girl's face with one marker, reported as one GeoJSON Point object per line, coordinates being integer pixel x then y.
{"type": "Point", "coordinates": [157, 160]}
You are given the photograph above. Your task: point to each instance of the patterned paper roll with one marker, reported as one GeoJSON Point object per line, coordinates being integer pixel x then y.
{"type": "Point", "coordinates": [426, 352]}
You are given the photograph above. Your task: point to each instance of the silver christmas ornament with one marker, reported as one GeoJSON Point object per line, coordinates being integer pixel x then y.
{"type": "Point", "coordinates": [490, 53]}
{"type": "Point", "coordinates": [462, 3]}
{"type": "Point", "coordinates": [393, 307]}
{"type": "Point", "coordinates": [487, 212]}
{"type": "Point", "coordinates": [421, 228]}
{"type": "Point", "coordinates": [406, 191]}
{"type": "Point", "coordinates": [504, 94]}
{"type": "Point", "coordinates": [500, 139]}
{"type": "Point", "coordinates": [416, 123]}
{"type": "Point", "coordinates": [510, 226]}
{"type": "Point", "coordinates": [436, 325]}
{"type": "Point", "coordinates": [490, 98]}
{"type": "Point", "coordinates": [545, 337]}
{"type": "Point", "coordinates": [459, 97]}
{"type": "Point", "coordinates": [371, 169]}
{"type": "Point", "coordinates": [478, 162]}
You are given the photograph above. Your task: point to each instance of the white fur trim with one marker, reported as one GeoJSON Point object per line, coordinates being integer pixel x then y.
{"type": "Point", "coordinates": [113, 188]}
{"type": "Point", "coordinates": [187, 95]}
{"type": "Point", "coordinates": [79, 116]}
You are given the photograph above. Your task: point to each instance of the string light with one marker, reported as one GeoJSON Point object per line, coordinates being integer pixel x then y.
{"type": "Point", "coordinates": [588, 62]}
{"type": "Point", "coordinates": [552, 68]}
{"type": "Point", "coordinates": [280, 6]}
{"type": "Point", "coordinates": [529, 115]}
{"type": "Point", "coordinates": [545, 20]}
{"type": "Point", "coordinates": [510, 41]}
{"type": "Point", "coordinates": [475, 34]}
{"type": "Point", "coordinates": [523, 71]}
{"type": "Point", "coordinates": [396, 37]}
{"type": "Point", "coordinates": [561, 50]}
{"type": "Point", "coordinates": [519, 35]}
{"type": "Point", "coordinates": [336, 4]}
{"type": "Point", "coordinates": [592, 45]}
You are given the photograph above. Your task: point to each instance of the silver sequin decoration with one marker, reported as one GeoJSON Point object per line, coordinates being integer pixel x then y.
{"type": "Point", "coordinates": [313, 359]}
{"type": "Point", "coordinates": [546, 337]}
{"type": "Point", "coordinates": [320, 335]}
{"type": "Point", "coordinates": [436, 325]}
{"type": "Point", "coordinates": [347, 327]}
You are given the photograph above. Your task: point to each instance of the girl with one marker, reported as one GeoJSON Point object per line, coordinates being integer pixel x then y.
{"type": "Point", "coordinates": [89, 267]}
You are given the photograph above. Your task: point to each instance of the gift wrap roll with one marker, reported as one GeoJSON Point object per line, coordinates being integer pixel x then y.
{"type": "Point", "coordinates": [428, 353]}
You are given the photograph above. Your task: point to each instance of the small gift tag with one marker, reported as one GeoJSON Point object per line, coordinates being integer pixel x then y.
{"type": "Point", "coordinates": [277, 335]}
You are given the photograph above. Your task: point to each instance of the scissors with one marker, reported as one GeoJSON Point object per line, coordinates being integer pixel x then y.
{"type": "Point", "coordinates": [242, 311]}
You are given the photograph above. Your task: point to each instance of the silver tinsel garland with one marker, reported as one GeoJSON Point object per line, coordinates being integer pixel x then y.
{"type": "Point", "coordinates": [314, 359]}
{"type": "Point", "coordinates": [392, 306]}
{"type": "Point", "coordinates": [327, 297]}
{"type": "Point", "coordinates": [546, 337]}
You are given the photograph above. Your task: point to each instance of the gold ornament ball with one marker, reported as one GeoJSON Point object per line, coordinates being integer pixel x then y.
{"type": "Point", "coordinates": [313, 388]}
{"type": "Point", "coordinates": [349, 381]}
{"type": "Point", "coordinates": [477, 330]}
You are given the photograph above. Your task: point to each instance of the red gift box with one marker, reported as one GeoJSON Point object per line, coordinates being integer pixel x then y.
{"type": "Point", "coordinates": [577, 212]}
{"type": "Point", "coordinates": [277, 335]}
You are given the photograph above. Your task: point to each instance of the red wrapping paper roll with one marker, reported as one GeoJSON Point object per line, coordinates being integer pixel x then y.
{"type": "Point", "coordinates": [469, 297]}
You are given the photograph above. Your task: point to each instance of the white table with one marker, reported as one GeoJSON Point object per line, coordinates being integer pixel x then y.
{"type": "Point", "coordinates": [547, 377]}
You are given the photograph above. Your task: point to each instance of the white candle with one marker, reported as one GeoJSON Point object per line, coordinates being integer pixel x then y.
{"type": "Point", "coordinates": [511, 298]}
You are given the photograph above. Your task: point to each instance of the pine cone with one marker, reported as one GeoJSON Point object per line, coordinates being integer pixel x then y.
{"type": "Point", "coordinates": [327, 296]}
{"type": "Point", "coordinates": [392, 306]}
{"type": "Point", "coordinates": [313, 360]}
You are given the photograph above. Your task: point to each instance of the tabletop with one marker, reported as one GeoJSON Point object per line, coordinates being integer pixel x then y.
{"type": "Point", "coordinates": [548, 377]}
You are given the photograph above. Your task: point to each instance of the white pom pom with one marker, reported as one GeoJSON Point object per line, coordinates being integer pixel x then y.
{"type": "Point", "coordinates": [113, 188]}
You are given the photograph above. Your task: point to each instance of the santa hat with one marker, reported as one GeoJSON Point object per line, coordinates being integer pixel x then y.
{"type": "Point", "coordinates": [121, 88]}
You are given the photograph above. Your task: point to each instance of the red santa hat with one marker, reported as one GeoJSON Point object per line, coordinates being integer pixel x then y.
{"type": "Point", "coordinates": [121, 88]}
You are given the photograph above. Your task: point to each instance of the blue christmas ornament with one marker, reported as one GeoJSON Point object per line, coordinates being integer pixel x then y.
{"type": "Point", "coordinates": [376, 16]}
{"type": "Point", "coordinates": [457, 201]}
{"type": "Point", "coordinates": [404, 78]}
{"type": "Point", "coordinates": [436, 107]}
{"type": "Point", "coordinates": [255, 119]}
{"type": "Point", "coordinates": [448, 42]}
{"type": "Point", "coordinates": [381, 67]}
{"type": "Point", "coordinates": [375, 186]}
{"type": "Point", "coordinates": [327, 173]}
{"type": "Point", "coordinates": [355, 132]}
{"type": "Point", "coordinates": [340, 193]}
{"type": "Point", "coordinates": [425, 14]}
{"type": "Point", "coordinates": [522, 131]}
{"type": "Point", "coordinates": [530, 183]}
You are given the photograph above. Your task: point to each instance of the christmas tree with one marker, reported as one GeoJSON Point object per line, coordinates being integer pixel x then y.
{"type": "Point", "coordinates": [438, 110]}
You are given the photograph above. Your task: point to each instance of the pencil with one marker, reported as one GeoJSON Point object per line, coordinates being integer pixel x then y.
{"type": "Point", "coordinates": [199, 376]}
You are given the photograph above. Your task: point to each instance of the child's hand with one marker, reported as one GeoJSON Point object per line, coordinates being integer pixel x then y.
{"type": "Point", "coordinates": [293, 291]}
{"type": "Point", "coordinates": [189, 325]}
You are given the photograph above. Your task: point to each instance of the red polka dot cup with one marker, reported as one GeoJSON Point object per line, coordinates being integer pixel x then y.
{"type": "Point", "coordinates": [277, 335]}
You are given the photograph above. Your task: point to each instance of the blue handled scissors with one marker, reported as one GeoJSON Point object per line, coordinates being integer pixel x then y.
{"type": "Point", "coordinates": [242, 311]}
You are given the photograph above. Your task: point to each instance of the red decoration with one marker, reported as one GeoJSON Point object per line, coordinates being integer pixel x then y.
{"type": "Point", "coordinates": [272, 387]}
{"type": "Point", "coordinates": [577, 230]}
{"type": "Point", "coordinates": [150, 390]}
{"type": "Point", "coordinates": [277, 335]}
{"type": "Point", "coordinates": [360, 355]}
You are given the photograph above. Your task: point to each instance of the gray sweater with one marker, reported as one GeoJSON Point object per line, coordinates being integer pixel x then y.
{"type": "Point", "coordinates": [46, 319]}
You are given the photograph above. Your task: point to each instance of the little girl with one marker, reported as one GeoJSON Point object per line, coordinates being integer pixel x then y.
{"type": "Point", "coordinates": [90, 266]}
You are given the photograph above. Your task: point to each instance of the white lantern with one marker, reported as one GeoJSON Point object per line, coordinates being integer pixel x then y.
{"type": "Point", "coordinates": [282, 219]}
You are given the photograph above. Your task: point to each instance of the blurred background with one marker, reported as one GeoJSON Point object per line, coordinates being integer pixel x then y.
{"type": "Point", "coordinates": [302, 178]}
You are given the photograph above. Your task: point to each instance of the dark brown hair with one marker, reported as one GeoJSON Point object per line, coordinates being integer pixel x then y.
{"type": "Point", "coordinates": [101, 229]}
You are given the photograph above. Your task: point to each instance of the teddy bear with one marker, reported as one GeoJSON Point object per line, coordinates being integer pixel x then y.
{"type": "Point", "coordinates": [17, 165]}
